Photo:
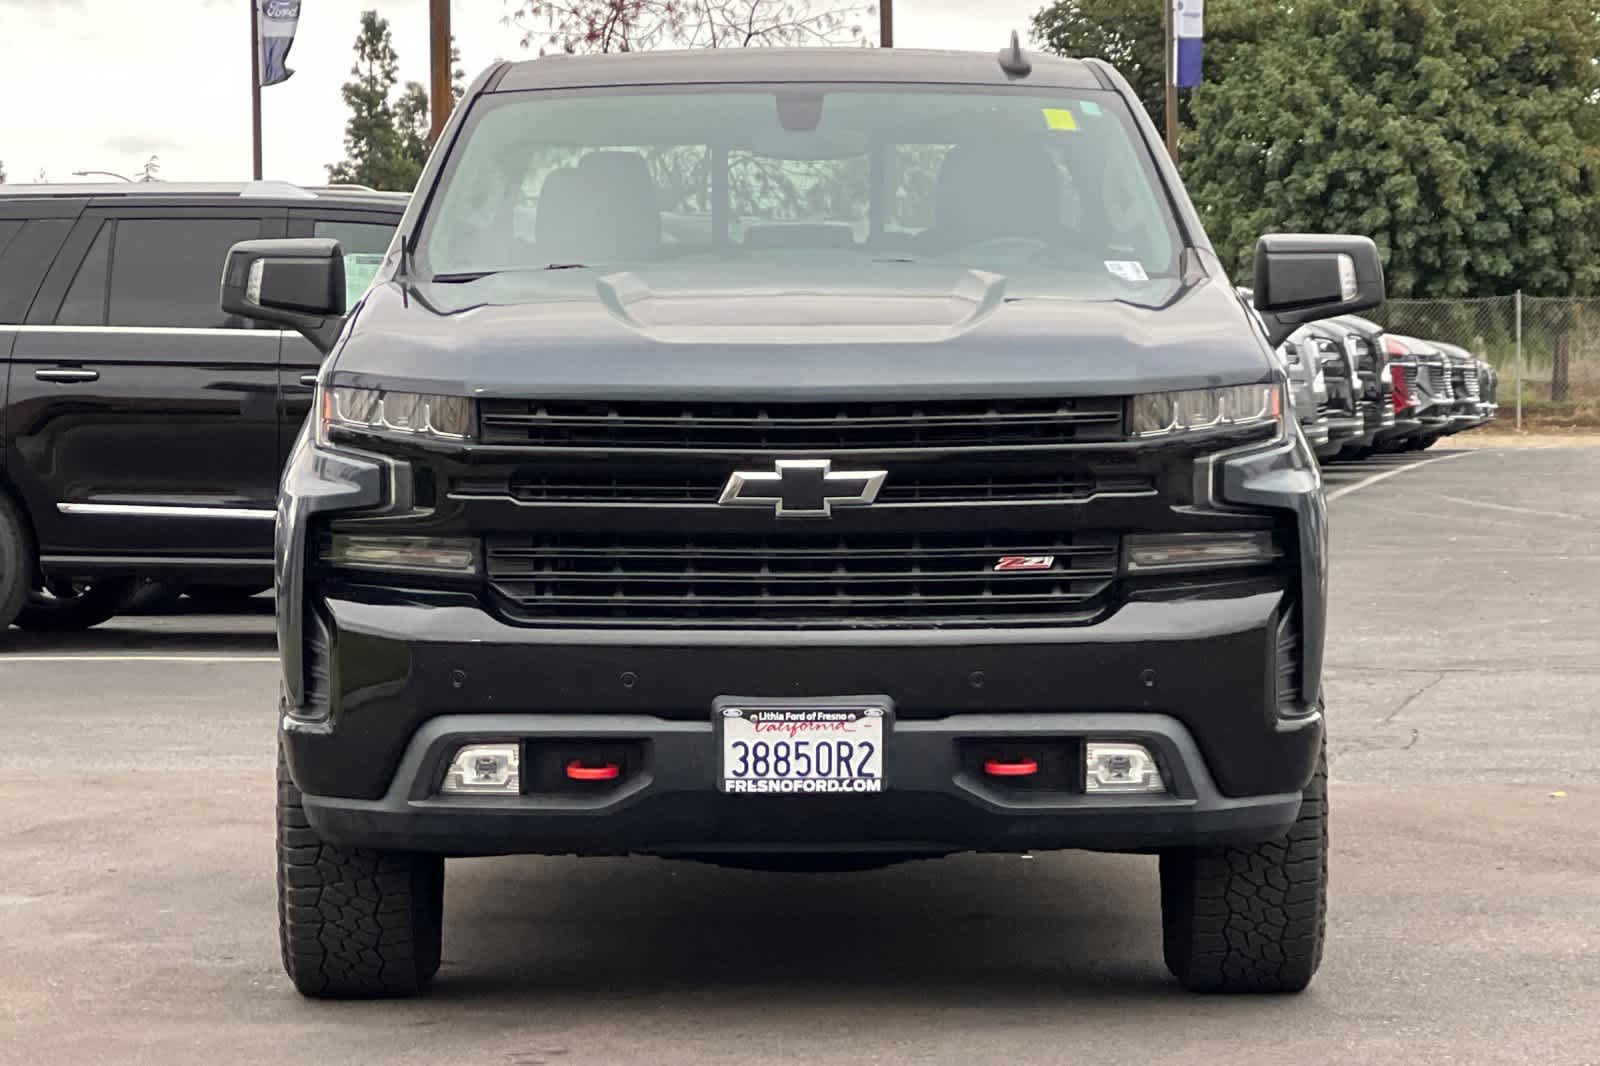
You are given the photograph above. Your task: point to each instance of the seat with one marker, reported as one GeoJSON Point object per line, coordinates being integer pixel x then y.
{"type": "Point", "coordinates": [992, 190]}
{"type": "Point", "coordinates": [616, 207]}
{"type": "Point", "coordinates": [557, 228]}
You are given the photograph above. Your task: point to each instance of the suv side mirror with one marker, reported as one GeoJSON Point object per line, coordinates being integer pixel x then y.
{"type": "Point", "coordinates": [294, 284]}
{"type": "Point", "coordinates": [1303, 277]}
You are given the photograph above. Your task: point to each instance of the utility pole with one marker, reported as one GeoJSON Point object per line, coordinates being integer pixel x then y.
{"type": "Point", "coordinates": [255, 91]}
{"type": "Point", "coordinates": [1171, 66]}
{"type": "Point", "coordinates": [886, 23]}
{"type": "Point", "coordinates": [440, 102]}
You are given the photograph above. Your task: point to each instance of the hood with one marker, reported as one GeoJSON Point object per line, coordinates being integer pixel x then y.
{"type": "Point", "coordinates": [803, 332]}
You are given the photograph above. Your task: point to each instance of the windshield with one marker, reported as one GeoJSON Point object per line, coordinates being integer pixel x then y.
{"type": "Point", "coordinates": [1056, 184]}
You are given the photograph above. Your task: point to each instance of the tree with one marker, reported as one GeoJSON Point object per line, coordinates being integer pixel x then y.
{"type": "Point", "coordinates": [1131, 37]}
{"type": "Point", "coordinates": [641, 25]}
{"type": "Point", "coordinates": [386, 138]}
{"type": "Point", "coordinates": [1464, 137]}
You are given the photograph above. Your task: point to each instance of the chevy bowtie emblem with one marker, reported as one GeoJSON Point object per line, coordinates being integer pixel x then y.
{"type": "Point", "coordinates": [802, 488]}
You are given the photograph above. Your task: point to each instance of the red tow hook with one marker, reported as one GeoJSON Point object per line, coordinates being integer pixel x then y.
{"type": "Point", "coordinates": [1011, 767]}
{"type": "Point", "coordinates": [576, 771]}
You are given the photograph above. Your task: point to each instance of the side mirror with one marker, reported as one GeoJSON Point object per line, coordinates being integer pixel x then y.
{"type": "Point", "coordinates": [294, 284]}
{"type": "Point", "coordinates": [1303, 277]}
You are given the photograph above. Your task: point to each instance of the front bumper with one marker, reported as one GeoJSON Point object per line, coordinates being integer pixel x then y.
{"type": "Point", "coordinates": [1403, 427]}
{"type": "Point", "coordinates": [666, 805]}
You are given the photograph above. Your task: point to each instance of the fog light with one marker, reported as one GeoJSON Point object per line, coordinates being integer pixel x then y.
{"type": "Point", "coordinates": [441, 555]}
{"type": "Point", "coordinates": [1115, 766]}
{"type": "Point", "coordinates": [1198, 551]}
{"type": "Point", "coordinates": [485, 769]}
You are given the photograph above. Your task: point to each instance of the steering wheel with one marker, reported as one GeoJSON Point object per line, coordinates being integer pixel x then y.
{"type": "Point", "coordinates": [1015, 244]}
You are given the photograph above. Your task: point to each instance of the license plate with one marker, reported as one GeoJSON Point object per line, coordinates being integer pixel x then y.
{"type": "Point", "coordinates": [791, 750]}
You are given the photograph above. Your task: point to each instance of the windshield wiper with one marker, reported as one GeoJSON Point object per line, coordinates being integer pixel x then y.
{"type": "Point", "coordinates": [463, 277]}
{"type": "Point", "coordinates": [466, 276]}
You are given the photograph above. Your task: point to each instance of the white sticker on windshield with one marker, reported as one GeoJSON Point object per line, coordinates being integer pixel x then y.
{"type": "Point", "coordinates": [1127, 269]}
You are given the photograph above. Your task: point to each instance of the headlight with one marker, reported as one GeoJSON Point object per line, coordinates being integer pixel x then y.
{"type": "Point", "coordinates": [1157, 414]}
{"type": "Point", "coordinates": [365, 412]}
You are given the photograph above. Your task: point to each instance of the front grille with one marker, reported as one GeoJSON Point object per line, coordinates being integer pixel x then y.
{"type": "Point", "coordinates": [929, 487]}
{"type": "Point", "coordinates": [1470, 387]}
{"type": "Point", "coordinates": [800, 426]}
{"type": "Point", "coordinates": [801, 579]}
{"type": "Point", "coordinates": [1365, 358]}
{"type": "Point", "coordinates": [1435, 378]}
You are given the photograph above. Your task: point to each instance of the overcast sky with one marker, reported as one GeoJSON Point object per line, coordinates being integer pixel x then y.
{"type": "Point", "coordinates": [105, 84]}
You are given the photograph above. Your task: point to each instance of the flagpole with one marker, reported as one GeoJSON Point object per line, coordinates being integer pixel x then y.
{"type": "Point", "coordinates": [255, 92]}
{"type": "Point", "coordinates": [441, 100]}
{"type": "Point", "coordinates": [1170, 32]}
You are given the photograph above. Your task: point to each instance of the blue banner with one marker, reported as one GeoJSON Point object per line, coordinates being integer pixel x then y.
{"type": "Point", "coordinates": [275, 23]}
{"type": "Point", "coordinates": [1188, 31]}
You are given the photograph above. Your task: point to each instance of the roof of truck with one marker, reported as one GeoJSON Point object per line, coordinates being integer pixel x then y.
{"type": "Point", "coordinates": [780, 65]}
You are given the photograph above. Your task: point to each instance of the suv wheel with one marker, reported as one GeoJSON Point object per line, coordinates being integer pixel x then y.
{"type": "Point", "coordinates": [1251, 919]}
{"type": "Point", "coordinates": [63, 606]}
{"type": "Point", "coordinates": [353, 922]}
{"type": "Point", "coordinates": [16, 562]}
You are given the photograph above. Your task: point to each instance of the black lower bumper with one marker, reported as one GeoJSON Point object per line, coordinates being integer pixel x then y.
{"type": "Point", "coordinates": [667, 803]}
{"type": "Point", "coordinates": [1195, 679]}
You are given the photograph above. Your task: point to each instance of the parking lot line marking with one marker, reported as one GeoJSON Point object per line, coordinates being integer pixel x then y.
{"type": "Point", "coordinates": [1375, 478]}
{"type": "Point", "coordinates": [69, 658]}
{"type": "Point", "coordinates": [1516, 510]}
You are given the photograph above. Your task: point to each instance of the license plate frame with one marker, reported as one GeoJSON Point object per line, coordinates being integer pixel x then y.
{"type": "Point", "coordinates": [819, 735]}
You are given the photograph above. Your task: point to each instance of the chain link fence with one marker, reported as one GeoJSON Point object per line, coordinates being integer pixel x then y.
{"type": "Point", "coordinates": [1546, 349]}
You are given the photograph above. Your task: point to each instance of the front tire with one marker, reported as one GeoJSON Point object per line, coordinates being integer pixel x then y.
{"type": "Point", "coordinates": [354, 923]}
{"type": "Point", "coordinates": [16, 562]}
{"type": "Point", "coordinates": [1251, 919]}
{"type": "Point", "coordinates": [66, 606]}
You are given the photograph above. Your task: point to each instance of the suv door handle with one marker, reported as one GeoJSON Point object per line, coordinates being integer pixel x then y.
{"type": "Point", "coordinates": [308, 380]}
{"type": "Point", "coordinates": [67, 374]}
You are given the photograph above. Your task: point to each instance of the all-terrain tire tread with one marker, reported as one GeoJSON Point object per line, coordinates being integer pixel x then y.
{"type": "Point", "coordinates": [353, 922]}
{"type": "Point", "coordinates": [1251, 919]}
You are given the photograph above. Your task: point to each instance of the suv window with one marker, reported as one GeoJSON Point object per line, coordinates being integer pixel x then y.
{"type": "Point", "coordinates": [24, 256]}
{"type": "Point", "coordinates": [363, 244]}
{"type": "Point", "coordinates": [9, 228]}
{"type": "Point", "coordinates": [85, 303]}
{"type": "Point", "coordinates": [164, 271]}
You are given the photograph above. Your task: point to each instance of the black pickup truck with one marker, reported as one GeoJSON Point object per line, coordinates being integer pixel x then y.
{"type": "Point", "coordinates": [859, 455]}
{"type": "Point", "coordinates": [143, 429]}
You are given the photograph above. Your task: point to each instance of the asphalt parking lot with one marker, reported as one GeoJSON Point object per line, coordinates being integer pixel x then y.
{"type": "Point", "coordinates": [136, 893]}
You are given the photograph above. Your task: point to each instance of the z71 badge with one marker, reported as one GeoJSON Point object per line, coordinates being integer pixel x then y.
{"type": "Point", "coordinates": [1025, 562]}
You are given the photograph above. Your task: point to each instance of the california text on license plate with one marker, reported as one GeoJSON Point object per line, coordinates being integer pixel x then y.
{"type": "Point", "coordinates": [781, 750]}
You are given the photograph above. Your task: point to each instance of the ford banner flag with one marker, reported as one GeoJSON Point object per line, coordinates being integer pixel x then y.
{"type": "Point", "coordinates": [276, 20]}
{"type": "Point", "coordinates": [1188, 18]}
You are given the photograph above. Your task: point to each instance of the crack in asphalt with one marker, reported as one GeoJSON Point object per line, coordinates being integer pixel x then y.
{"type": "Point", "coordinates": [1438, 676]}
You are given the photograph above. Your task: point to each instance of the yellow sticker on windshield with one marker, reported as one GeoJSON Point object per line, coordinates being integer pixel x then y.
{"type": "Point", "coordinates": [1059, 118]}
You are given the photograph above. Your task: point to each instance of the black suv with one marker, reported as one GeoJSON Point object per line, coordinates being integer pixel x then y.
{"type": "Point", "coordinates": [144, 429]}
{"type": "Point", "coordinates": [858, 455]}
